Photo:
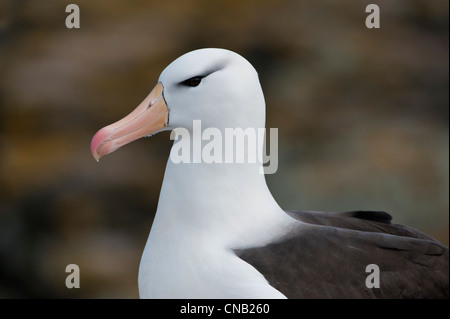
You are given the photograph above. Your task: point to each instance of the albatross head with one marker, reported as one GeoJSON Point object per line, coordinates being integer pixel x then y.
{"type": "Point", "coordinates": [216, 86]}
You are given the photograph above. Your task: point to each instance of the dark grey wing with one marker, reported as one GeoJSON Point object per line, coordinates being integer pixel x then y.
{"type": "Point", "coordinates": [368, 221]}
{"type": "Point", "coordinates": [326, 257]}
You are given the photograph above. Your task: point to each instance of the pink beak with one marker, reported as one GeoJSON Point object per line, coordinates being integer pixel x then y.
{"type": "Point", "coordinates": [149, 117]}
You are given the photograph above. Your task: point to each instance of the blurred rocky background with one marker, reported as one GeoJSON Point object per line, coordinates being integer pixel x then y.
{"type": "Point", "coordinates": [362, 117]}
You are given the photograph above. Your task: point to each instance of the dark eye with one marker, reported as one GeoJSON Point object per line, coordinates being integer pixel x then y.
{"type": "Point", "coordinates": [193, 82]}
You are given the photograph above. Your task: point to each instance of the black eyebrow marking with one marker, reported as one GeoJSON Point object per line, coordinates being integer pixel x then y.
{"type": "Point", "coordinates": [214, 69]}
{"type": "Point", "coordinates": [208, 72]}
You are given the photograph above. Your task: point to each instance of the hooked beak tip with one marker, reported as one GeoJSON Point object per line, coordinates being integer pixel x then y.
{"type": "Point", "coordinates": [97, 142]}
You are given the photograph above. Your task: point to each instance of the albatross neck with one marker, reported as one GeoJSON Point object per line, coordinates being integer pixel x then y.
{"type": "Point", "coordinates": [231, 199]}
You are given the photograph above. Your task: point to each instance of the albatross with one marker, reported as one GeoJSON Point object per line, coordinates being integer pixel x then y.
{"type": "Point", "coordinates": [219, 233]}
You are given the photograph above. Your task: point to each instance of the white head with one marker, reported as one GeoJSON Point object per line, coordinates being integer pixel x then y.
{"type": "Point", "coordinates": [216, 86]}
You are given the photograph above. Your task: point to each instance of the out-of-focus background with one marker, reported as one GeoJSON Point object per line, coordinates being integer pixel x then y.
{"type": "Point", "coordinates": [362, 117]}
